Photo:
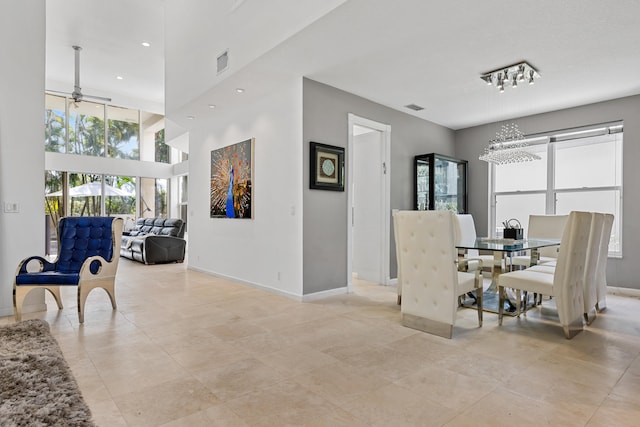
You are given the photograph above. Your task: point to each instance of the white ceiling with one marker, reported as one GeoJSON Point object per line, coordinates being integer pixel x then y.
{"type": "Point", "coordinates": [111, 35]}
{"type": "Point", "coordinates": [430, 53]}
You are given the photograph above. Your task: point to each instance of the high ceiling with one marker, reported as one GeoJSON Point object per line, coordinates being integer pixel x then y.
{"type": "Point", "coordinates": [111, 35]}
{"type": "Point", "coordinates": [429, 53]}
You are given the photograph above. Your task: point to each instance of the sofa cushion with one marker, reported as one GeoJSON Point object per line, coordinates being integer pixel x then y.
{"type": "Point", "coordinates": [158, 226]}
{"type": "Point", "coordinates": [155, 240]}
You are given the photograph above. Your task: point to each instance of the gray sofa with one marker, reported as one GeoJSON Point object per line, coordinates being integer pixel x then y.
{"type": "Point", "coordinates": [155, 241]}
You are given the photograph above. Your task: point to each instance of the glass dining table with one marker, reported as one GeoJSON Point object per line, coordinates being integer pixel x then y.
{"type": "Point", "coordinates": [503, 250]}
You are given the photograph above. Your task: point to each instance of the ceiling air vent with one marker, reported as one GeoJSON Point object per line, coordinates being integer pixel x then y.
{"type": "Point", "coordinates": [414, 107]}
{"type": "Point", "coordinates": [223, 61]}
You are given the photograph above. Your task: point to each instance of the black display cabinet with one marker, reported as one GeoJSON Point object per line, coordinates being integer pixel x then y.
{"type": "Point", "coordinates": [440, 183]}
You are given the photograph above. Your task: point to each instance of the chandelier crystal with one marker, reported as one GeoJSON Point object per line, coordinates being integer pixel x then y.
{"type": "Point", "coordinates": [508, 146]}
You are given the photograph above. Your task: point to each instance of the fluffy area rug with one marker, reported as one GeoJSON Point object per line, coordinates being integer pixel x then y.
{"type": "Point", "coordinates": [37, 387]}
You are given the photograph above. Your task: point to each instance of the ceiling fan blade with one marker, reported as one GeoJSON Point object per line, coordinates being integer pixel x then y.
{"type": "Point", "coordinates": [99, 98]}
{"type": "Point", "coordinates": [57, 92]}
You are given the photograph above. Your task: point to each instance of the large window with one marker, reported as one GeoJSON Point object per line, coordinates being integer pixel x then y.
{"type": "Point", "coordinates": [123, 133]}
{"type": "Point", "coordinates": [161, 149]}
{"type": "Point", "coordinates": [55, 126]}
{"type": "Point", "coordinates": [86, 129]}
{"type": "Point", "coordinates": [580, 170]}
{"type": "Point", "coordinates": [153, 198]}
{"type": "Point", "coordinates": [101, 130]}
{"type": "Point", "coordinates": [183, 198]}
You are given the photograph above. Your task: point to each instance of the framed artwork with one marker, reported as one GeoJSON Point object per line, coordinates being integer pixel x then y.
{"type": "Point", "coordinates": [232, 181]}
{"type": "Point", "coordinates": [327, 167]}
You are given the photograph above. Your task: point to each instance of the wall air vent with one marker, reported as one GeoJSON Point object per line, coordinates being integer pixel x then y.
{"type": "Point", "coordinates": [223, 61]}
{"type": "Point", "coordinates": [414, 107]}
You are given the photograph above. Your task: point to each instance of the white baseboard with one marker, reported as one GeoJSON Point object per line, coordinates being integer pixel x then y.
{"type": "Point", "coordinates": [301, 298]}
{"type": "Point", "coordinates": [324, 294]}
{"type": "Point", "coordinates": [31, 308]}
{"type": "Point", "coordinates": [625, 292]}
{"type": "Point", "coordinates": [248, 283]}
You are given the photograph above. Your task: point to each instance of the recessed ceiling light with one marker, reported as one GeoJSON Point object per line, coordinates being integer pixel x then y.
{"type": "Point", "coordinates": [191, 117]}
{"type": "Point", "coordinates": [239, 90]}
{"type": "Point", "coordinates": [146, 44]}
{"type": "Point", "coordinates": [212, 106]}
{"type": "Point", "coordinates": [119, 77]}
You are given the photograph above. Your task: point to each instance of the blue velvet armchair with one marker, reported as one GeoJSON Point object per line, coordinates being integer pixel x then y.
{"type": "Point", "coordinates": [88, 254]}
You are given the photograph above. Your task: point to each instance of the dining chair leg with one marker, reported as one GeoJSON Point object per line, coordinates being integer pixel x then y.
{"type": "Point", "coordinates": [525, 301]}
{"type": "Point", "coordinates": [518, 301]}
{"type": "Point", "coordinates": [500, 304]}
{"type": "Point", "coordinates": [479, 304]}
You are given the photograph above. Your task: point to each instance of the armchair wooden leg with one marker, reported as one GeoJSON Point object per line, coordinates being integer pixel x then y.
{"type": "Point", "coordinates": [18, 300]}
{"type": "Point", "coordinates": [82, 297]}
{"type": "Point", "coordinates": [55, 291]}
{"type": "Point", "coordinates": [20, 294]}
{"type": "Point", "coordinates": [85, 288]}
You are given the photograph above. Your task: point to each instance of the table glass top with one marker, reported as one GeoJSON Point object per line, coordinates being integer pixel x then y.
{"type": "Point", "coordinates": [506, 245]}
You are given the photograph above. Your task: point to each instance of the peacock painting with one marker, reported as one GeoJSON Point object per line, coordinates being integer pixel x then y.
{"type": "Point", "coordinates": [231, 181]}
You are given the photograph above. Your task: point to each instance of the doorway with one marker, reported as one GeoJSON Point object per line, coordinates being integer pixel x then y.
{"type": "Point", "coordinates": [368, 200]}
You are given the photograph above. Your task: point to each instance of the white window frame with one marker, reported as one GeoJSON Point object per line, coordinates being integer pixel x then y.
{"type": "Point", "coordinates": [551, 139]}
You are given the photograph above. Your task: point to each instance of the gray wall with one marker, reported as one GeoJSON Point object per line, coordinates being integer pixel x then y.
{"type": "Point", "coordinates": [325, 112]}
{"type": "Point", "coordinates": [470, 143]}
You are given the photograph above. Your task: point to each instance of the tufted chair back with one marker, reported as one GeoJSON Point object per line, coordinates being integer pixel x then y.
{"type": "Point", "coordinates": [465, 231]}
{"type": "Point", "coordinates": [159, 226]}
{"type": "Point", "coordinates": [547, 227]}
{"type": "Point", "coordinates": [568, 280]}
{"type": "Point", "coordinates": [601, 269]}
{"type": "Point", "coordinates": [82, 237]}
{"type": "Point", "coordinates": [427, 270]}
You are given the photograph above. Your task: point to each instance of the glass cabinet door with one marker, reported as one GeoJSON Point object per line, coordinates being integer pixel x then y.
{"type": "Point", "coordinates": [422, 185]}
{"type": "Point", "coordinates": [440, 183]}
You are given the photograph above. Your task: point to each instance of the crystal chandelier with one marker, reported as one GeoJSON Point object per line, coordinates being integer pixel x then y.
{"type": "Point", "coordinates": [508, 146]}
{"type": "Point", "coordinates": [511, 75]}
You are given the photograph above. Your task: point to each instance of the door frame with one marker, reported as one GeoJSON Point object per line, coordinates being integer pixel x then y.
{"type": "Point", "coordinates": [385, 184]}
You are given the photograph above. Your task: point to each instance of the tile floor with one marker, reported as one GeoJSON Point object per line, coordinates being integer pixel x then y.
{"type": "Point", "coordinates": [189, 349]}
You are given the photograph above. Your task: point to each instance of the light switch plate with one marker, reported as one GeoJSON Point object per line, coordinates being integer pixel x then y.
{"type": "Point", "coordinates": [11, 207]}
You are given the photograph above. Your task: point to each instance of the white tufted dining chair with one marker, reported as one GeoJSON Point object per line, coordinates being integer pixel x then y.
{"type": "Point", "coordinates": [465, 231]}
{"type": "Point", "coordinates": [543, 227]}
{"type": "Point", "coordinates": [566, 284]}
{"type": "Point", "coordinates": [591, 263]}
{"type": "Point", "coordinates": [428, 271]}
{"type": "Point", "coordinates": [398, 258]}
{"type": "Point", "coordinates": [601, 269]}
{"type": "Point", "coordinates": [594, 264]}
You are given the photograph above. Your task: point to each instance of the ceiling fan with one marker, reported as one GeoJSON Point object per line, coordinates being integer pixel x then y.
{"type": "Point", "coordinates": [77, 94]}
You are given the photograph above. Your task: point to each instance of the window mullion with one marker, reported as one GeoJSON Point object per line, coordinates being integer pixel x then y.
{"type": "Point", "coordinates": [491, 228]}
{"type": "Point", "coordinates": [106, 130]}
{"type": "Point", "coordinates": [550, 198]}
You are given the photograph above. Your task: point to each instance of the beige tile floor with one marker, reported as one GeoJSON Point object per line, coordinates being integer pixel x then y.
{"type": "Point", "coordinates": [189, 349]}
